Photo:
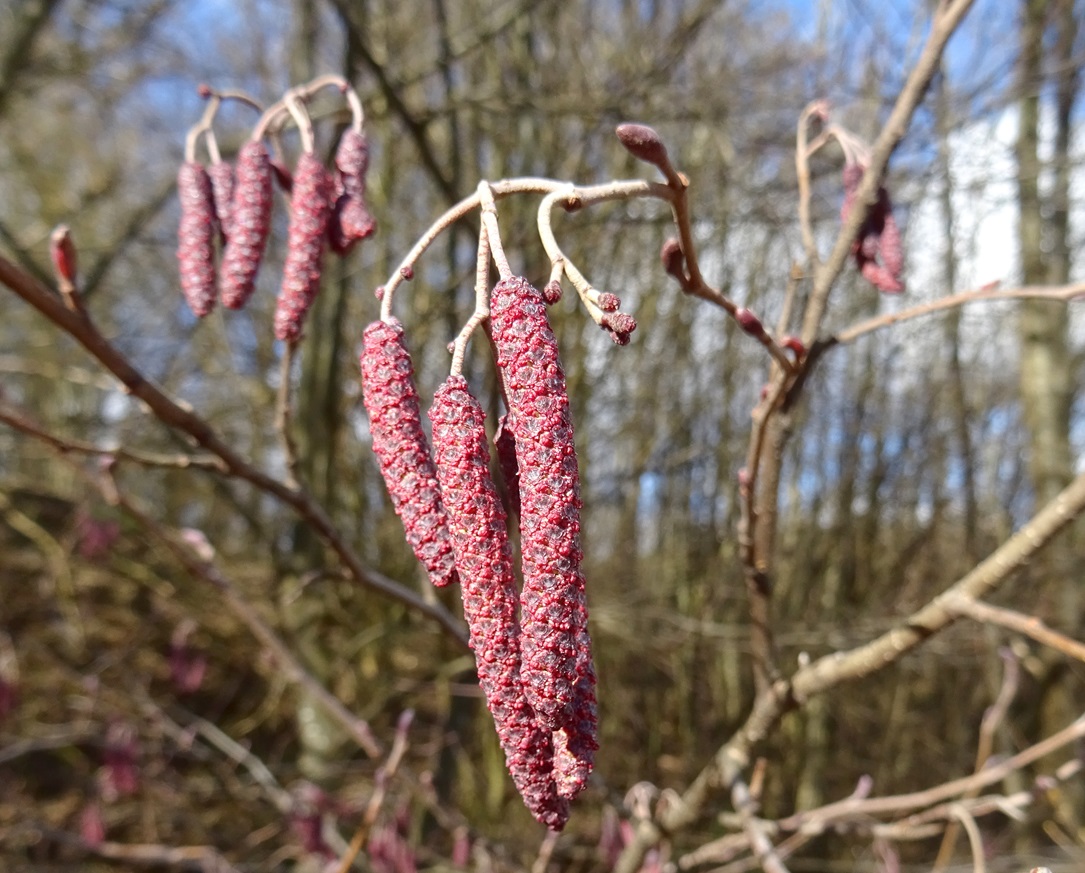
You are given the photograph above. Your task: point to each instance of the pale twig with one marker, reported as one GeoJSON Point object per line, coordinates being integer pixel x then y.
{"type": "Point", "coordinates": [759, 840]}
{"type": "Point", "coordinates": [181, 417]}
{"type": "Point", "coordinates": [482, 301]}
{"type": "Point", "coordinates": [989, 725]}
{"type": "Point", "coordinates": [376, 799]}
{"type": "Point", "coordinates": [1029, 625]}
{"type": "Point", "coordinates": [493, 233]}
{"type": "Point", "coordinates": [546, 851]}
{"type": "Point", "coordinates": [1027, 292]}
{"type": "Point", "coordinates": [203, 859]}
{"type": "Point", "coordinates": [588, 195]}
{"type": "Point", "coordinates": [816, 109]}
{"type": "Point", "coordinates": [975, 841]}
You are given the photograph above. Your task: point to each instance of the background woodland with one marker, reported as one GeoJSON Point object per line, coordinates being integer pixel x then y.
{"type": "Point", "coordinates": [914, 451]}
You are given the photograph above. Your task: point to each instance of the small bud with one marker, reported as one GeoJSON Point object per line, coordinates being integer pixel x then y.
{"type": "Point", "coordinates": [204, 90]}
{"type": "Point", "coordinates": [407, 273]}
{"type": "Point", "coordinates": [378, 292]}
{"type": "Point", "coordinates": [551, 292]}
{"type": "Point", "coordinates": [795, 344]}
{"type": "Point", "coordinates": [749, 322]}
{"type": "Point", "coordinates": [608, 302]}
{"type": "Point", "coordinates": [643, 143]}
{"type": "Point", "coordinates": [744, 479]}
{"type": "Point", "coordinates": [619, 325]}
{"type": "Point", "coordinates": [674, 261]}
{"type": "Point", "coordinates": [62, 251]}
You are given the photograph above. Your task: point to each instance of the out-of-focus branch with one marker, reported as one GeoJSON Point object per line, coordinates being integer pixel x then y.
{"type": "Point", "coordinates": [1027, 292]}
{"type": "Point", "coordinates": [946, 19]}
{"type": "Point", "coordinates": [181, 417]}
{"type": "Point", "coordinates": [1029, 625]}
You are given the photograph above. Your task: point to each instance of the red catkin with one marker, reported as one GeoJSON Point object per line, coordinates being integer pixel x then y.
{"type": "Point", "coordinates": [395, 423]}
{"type": "Point", "coordinates": [222, 187]}
{"type": "Point", "coordinates": [195, 238]}
{"type": "Point", "coordinates": [311, 205]}
{"type": "Point", "coordinates": [552, 599]}
{"type": "Point", "coordinates": [351, 220]}
{"type": "Point", "coordinates": [250, 224]}
{"type": "Point", "coordinates": [484, 564]}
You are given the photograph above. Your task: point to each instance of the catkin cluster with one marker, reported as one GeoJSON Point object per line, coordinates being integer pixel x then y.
{"type": "Point", "coordinates": [484, 563]}
{"type": "Point", "coordinates": [234, 204]}
{"type": "Point", "coordinates": [532, 648]}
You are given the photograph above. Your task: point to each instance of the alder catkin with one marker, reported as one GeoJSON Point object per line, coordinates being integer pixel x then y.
{"type": "Point", "coordinates": [395, 423]}
{"type": "Point", "coordinates": [484, 564]}
{"type": "Point", "coordinates": [552, 598]}
{"type": "Point", "coordinates": [222, 187]}
{"type": "Point", "coordinates": [310, 208]}
{"type": "Point", "coordinates": [250, 224]}
{"type": "Point", "coordinates": [351, 220]}
{"type": "Point", "coordinates": [195, 238]}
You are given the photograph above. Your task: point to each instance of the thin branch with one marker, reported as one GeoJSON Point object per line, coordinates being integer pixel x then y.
{"type": "Point", "coordinates": [1026, 292]}
{"type": "Point", "coordinates": [181, 417]}
{"type": "Point", "coordinates": [1029, 625]}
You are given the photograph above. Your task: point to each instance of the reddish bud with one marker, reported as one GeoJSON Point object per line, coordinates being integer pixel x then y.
{"type": "Point", "coordinates": [187, 665]}
{"type": "Point", "coordinates": [749, 322]}
{"type": "Point", "coordinates": [552, 292]}
{"type": "Point", "coordinates": [619, 325]}
{"type": "Point", "coordinates": [407, 273]}
{"type": "Point", "coordinates": [62, 251]}
{"type": "Point", "coordinates": [608, 302]}
{"type": "Point", "coordinates": [674, 261]}
{"type": "Point", "coordinates": [119, 776]}
{"type": "Point", "coordinates": [91, 824]}
{"type": "Point", "coordinates": [795, 344]}
{"type": "Point", "coordinates": [643, 143]}
{"type": "Point", "coordinates": [204, 90]}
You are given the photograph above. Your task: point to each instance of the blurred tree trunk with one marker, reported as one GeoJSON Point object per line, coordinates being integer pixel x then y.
{"type": "Point", "coordinates": [1046, 391]}
{"type": "Point", "coordinates": [318, 419]}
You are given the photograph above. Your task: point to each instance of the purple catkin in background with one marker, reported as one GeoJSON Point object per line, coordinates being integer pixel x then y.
{"type": "Point", "coordinates": [878, 252]}
{"type": "Point", "coordinates": [484, 564]}
{"type": "Point", "coordinates": [351, 220]}
{"type": "Point", "coordinates": [311, 204]}
{"type": "Point", "coordinates": [222, 187]}
{"type": "Point", "coordinates": [196, 238]}
{"type": "Point", "coordinates": [554, 650]}
{"type": "Point", "coordinates": [250, 224]}
{"type": "Point", "coordinates": [395, 424]}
